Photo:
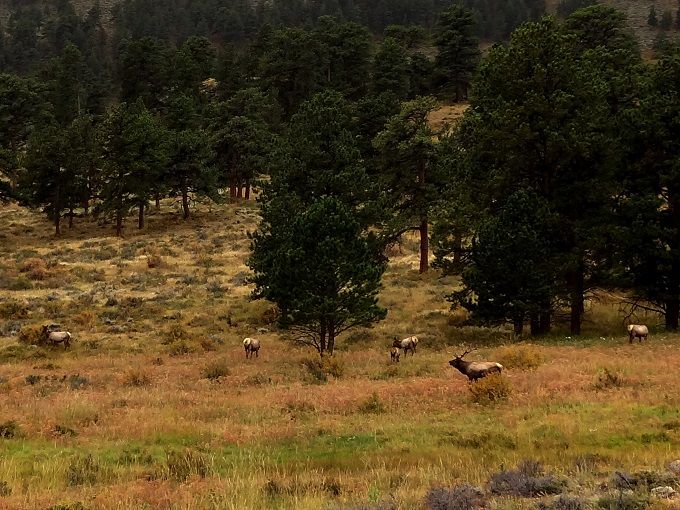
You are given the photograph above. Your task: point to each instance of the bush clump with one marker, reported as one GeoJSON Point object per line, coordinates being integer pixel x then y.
{"type": "Point", "coordinates": [9, 429]}
{"type": "Point", "coordinates": [565, 502]}
{"type": "Point", "coordinates": [461, 497]}
{"type": "Point", "coordinates": [320, 368]}
{"type": "Point", "coordinates": [82, 471]}
{"type": "Point", "coordinates": [521, 357]}
{"type": "Point", "coordinates": [491, 389]}
{"type": "Point", "coordinates": [607, 379]}
{"type": "Point", "coordinates": [372, 405]}
{"type": "Point", "coordinates": [624, 500]}
{"type": "Point", "coordinates": [137, 378]}
{"type": "Point", "coordinates": [181, 465]}
{"type": "Point", "coordinates": [215, 370]}
{"type": "Point", "coordinates": [527, 480]}
{"type": "Point", "coordinates": [34, 268]}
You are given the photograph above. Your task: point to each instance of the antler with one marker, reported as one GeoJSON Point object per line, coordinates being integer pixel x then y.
{"type": "Point", "coordinates": [465, 353]}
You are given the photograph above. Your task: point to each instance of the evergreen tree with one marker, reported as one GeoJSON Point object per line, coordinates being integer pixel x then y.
{"type": "Point", "coordinates": [458, 51]}
{"type": "Point", "coordinates": [556, 137]}
{"type": "Point", "coordinates": [509, 276]}
{"type": "Point", "coordinates": [133, 153]}
{"type": "Point", "coordinates": [391, 69]}
{"type": "Point", "coordinates": [317, 264]}
{"type": "Point", "coordinates": [666, 20]}
{"type": "Point", "coordinates": [408, 175]}
{"type": "Point", "coordinates": [143, 72]}
{"type": "Point", "coordinates": [652, 19]}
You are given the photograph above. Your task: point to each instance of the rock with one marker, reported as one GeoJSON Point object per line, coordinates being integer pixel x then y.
{"type": "Point", "coordinates": [109, 322]}
{"type": "Point", "coordinates": [263, 330]}
{"type": "Point", "coordinates": [674, 467]}
{"type": "Point", "coordinates": [117, 329]}
{"type": "Point", "coordinates": [665, 492]}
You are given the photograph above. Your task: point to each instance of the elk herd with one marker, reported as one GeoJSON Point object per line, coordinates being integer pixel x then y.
{"type": "Point", "coordinates": [53, 335]}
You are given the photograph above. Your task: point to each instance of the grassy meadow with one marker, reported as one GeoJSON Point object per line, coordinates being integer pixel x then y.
{"type": "Point", "coordinates": [156, 407]}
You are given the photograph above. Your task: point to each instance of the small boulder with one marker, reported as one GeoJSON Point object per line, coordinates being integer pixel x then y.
{"type": "Point", "coordinates": [664, 492]}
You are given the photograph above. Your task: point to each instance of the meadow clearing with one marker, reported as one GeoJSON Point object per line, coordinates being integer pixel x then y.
{"type": "Point", "coordinates": [156, 407]}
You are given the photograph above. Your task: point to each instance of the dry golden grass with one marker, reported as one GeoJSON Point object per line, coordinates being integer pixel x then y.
{"type": "Point", "coordinates": [155, 405]}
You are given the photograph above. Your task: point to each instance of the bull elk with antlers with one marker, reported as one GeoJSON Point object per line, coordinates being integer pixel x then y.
{"type": "Point", "coordinates": [475, 369]}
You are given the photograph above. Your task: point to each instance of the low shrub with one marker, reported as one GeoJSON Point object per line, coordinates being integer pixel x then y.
{"type": "Point", "coordinates": [154, 260]}
{"type": "Point", "coordinates": [77, 381]}
{"type": "Point", "coordinates": [372, 405]}
{"type": "Point", "coordinates": [9, 429]}
{"type": "Point", "coordinates": [34, 268]}
{"type": "Point", "coordinates": [31, 335]}
{"type": "Point", "coordinates": [521, 357]}
{"type": "Point", "coordinates": [137, 378]}
{"type": "Point", "coordinates": [258, 379]}
{"type": "Point", "coordinates": [33, 379]}
{"type": "Point", "coordinates": [565, 502]}
{"type": "Point", "coordinates": [491, 389]}
{"type": "Point", "coordinates": [63, 430]}
{"type": "Point", "coordinates": [624, 500]}
{"type": "Point", "coordinates": [216, 369]}
{"type": "Point", "coordinates": [607, 379]}
{"type": "Point", "coordinates": [179, 348]}
{"type": "Point", "coordinates": [82, 471]}
{"type": "Point", "coordinates": [13, 310]}
{"type": "Point", "coordinates": [320, 368]}
{"type": "Point", "coordinates": [5, 489]}
{"type": "Point", "coordinates": [528, 480]}
{"type": "Point", "coordinates": [181, 465]}
{"type": "Point", "coordinates": [461, 497]}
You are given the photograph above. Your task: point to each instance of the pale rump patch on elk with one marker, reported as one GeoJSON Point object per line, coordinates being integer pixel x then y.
{"type": "Point", "coordinates": [251, 345]}
{"type": "Point", "coordinates": [407, 344]}
{"type": "Point", "coordinates": [637, 330]}
{"type": "Point", "coordinates": [475, 369]}
{"type": "Point", "coordinates": [395, 354]}
{"type": "Point", "coordinates": [56, 337]}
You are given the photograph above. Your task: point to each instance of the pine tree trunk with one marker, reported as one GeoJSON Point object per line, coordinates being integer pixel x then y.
{"type": "Point", "coordinates": [544, 322]}
{"type": "Point", "coordinates": [424, 246]}
{"type": "Point", "coordinates": [535, 325]}
{"type": "Point", "coordinates": [577, 307]}
{"type": "Point", "coordinates": [518, 326]}
{"type": "Point", "coordinates": [424, 238]}
{"type": "Point", "coordinates": [322, 340]}
{"type": "Point", "coordinates": [57, 223]}
{"type": "Point", "coordinates": [140, 219]}
{"type": "Point", "coordinates": [239, 188]}
{"type": "Point", "coordinates": [70, 217]}
{"type": "Point", "coordinates": [457, 249]}
{"type": "Point", "coordinates": [247, 189]}
{"type": "Point", "coordinates": [672, 312]}
{"type": "Point", "coordinates": [119, 222]}
{"type": "Point", "coordinates": [185, 201]}
{"type": "Point", "coordinates": [86, 207]}
{"type": "Point", "coordinates": [331, 340]}
{"type": "Point", "coordinates": [232, 188]}
{"type": "Point", "coordinates": [158, 201]}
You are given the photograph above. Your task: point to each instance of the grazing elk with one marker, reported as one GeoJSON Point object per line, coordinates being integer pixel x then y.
{"type": "Point", "coordinates": [395, 354]}
{"type": "Point", "coordinates": [251, 345]}
{"type": "Point", "coordinates": [54, 337]}
{"type": "Point", "coordinates": [637, 330]}
{"type": "Point", "coordinates": [475, 369]}
{"type": "Point", "coordinates": [407, 344]}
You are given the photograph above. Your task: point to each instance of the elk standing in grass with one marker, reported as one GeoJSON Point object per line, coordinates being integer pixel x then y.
{"type": "Point", "coordinates": [52, 337]}
{"type": "Point", "coordinates": [637, 330]}
{"type": "Point", "coordinates": [475, 369]}
{"type": "Point", "coordinates": [407, 344]}
{"type": "Point", "coordinates": [395, 354]}
{"type": "Point", "coordinates": [251, 345]}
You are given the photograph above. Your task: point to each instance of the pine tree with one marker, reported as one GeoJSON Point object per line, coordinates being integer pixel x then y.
{"type": "Point", "coordinates": [652, 20]}
{"type": "Point", "coordinates": [458, 51]}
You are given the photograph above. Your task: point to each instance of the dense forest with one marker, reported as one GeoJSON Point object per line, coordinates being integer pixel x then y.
{"type": "Point", "coordinates": [561, 177]}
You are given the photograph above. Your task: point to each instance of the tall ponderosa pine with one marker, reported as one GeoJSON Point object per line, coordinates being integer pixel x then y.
{"type": "Point", "coordinates": [540, 121]}
{"type": "Point", "coordinates": [313, 254]}
{"type": "Point", "coordinates": [458, 50]}
{"type": "Point", "coordinates": [408, 178]}
{"type": "Point", "coordinates": [391, 69]}
{"type": "Point", "coordinates": [317, 264]}
{"type": "Point", "coordinates": [133, 149]}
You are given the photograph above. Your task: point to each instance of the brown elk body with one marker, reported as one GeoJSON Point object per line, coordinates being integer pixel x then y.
{"type": "Point", "coordinates": [637, 330]}
{"type": "Point", "coordinates": [52, 337]}
{"type": "Point", "coordinates": [395, 354]}
{"type": "Point", "coordinates": [407, 344]}
{"type": "Point", "coordinates": [475, 369]}
{"type": "Point", "coordinates": [251, 345]}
